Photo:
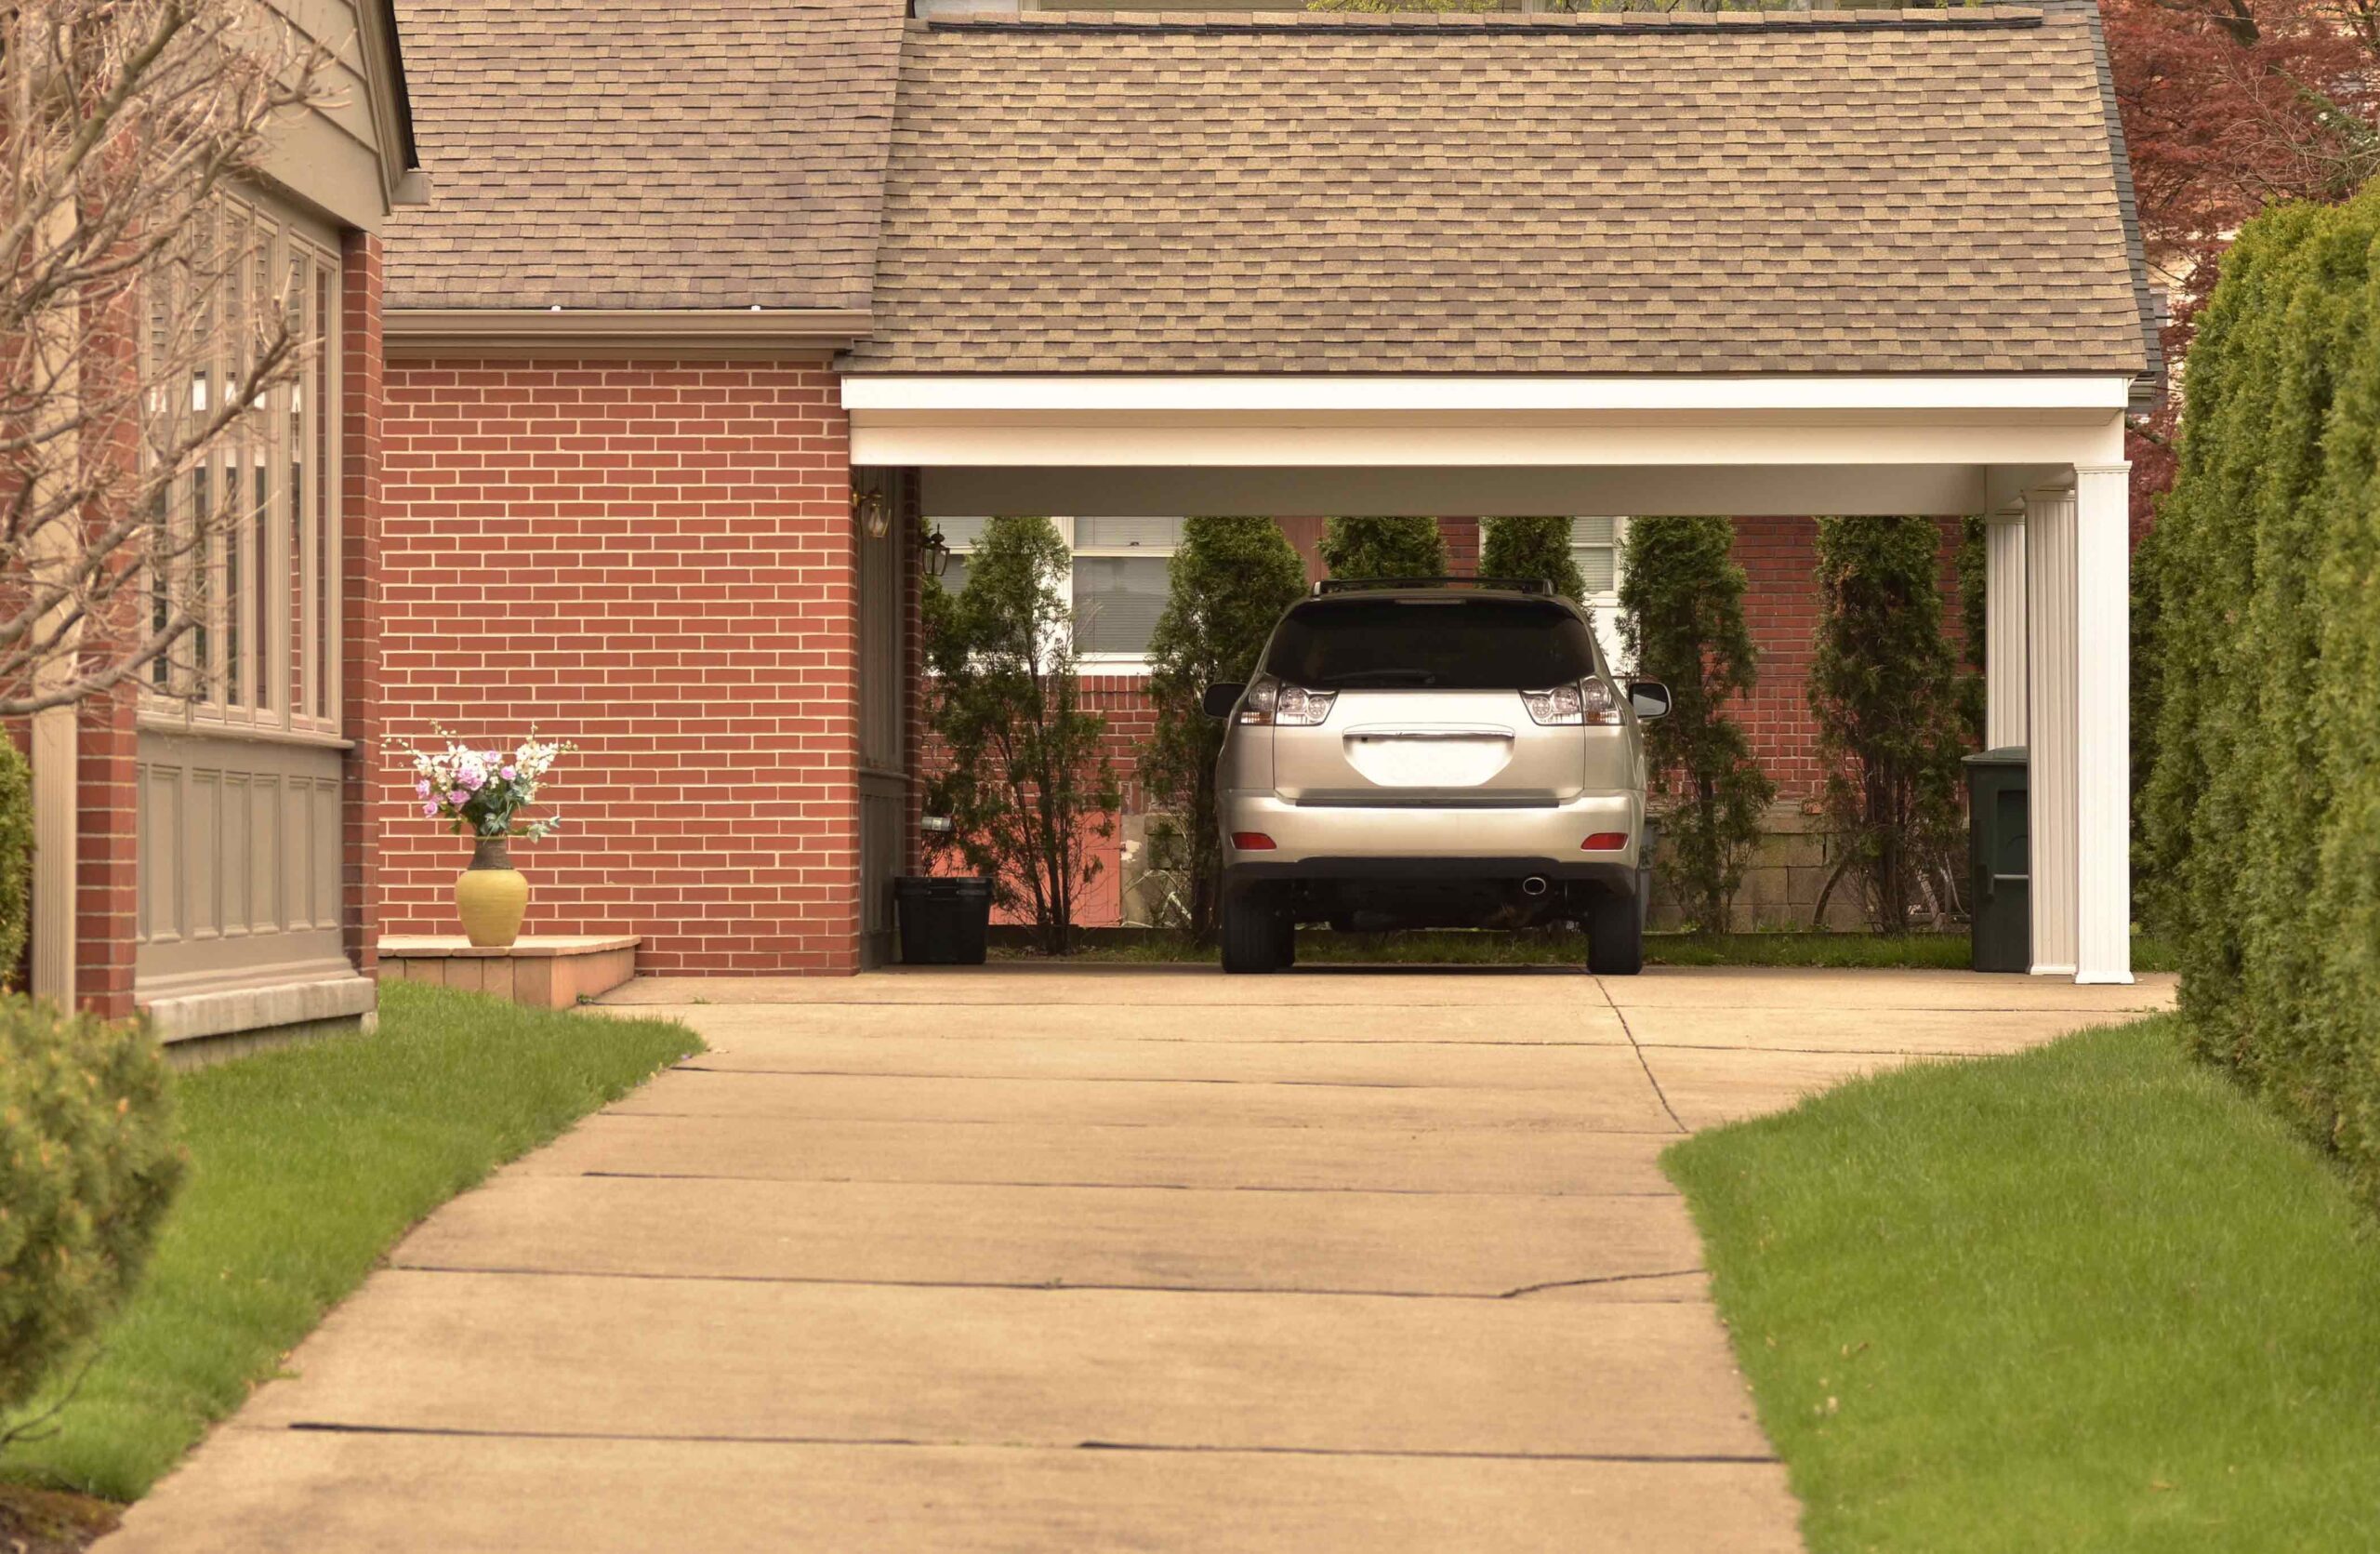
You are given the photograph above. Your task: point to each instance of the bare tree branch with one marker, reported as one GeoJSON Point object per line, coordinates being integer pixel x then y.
{"type": "Point", "coordinates": [148, 335]}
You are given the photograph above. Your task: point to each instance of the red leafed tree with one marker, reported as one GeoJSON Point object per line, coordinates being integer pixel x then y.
{"type": "Point", "coordinates": [2229, 105]}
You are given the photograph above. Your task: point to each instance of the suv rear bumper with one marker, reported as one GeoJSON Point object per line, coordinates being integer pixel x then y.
{"type": "Point", "coordinates": [1358, 842]}
{"type": "Point", "coordinates": [1427, 870]}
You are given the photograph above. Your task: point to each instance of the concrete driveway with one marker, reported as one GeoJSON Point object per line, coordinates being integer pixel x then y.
{"type": "Point", "coordinates": [1038, 1259]}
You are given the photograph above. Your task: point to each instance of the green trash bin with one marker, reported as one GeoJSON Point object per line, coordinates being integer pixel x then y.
{"type": "Point", "coordinates": [1999, 871]}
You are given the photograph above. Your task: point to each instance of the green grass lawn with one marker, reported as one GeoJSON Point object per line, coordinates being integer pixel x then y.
{"type": "Point", "coordinates": [1463, 948]}
{"type": "Point", "coordinates": [2089, 1297]}
{"type": "Point", "coordinates": [306, 1165]}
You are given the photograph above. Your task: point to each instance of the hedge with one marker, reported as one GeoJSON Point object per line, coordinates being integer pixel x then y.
{"type": "Point", "coordinates": [2259, 641]}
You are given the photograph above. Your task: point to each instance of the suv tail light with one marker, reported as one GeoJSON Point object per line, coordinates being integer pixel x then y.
{"type": "Point", "coordinates": [1588, 701]}
{"type": "Point", "coordinates": [1276, 701]}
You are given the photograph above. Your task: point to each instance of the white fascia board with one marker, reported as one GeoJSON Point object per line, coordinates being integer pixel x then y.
{"type": "Point", "coordinates": [944, 394]}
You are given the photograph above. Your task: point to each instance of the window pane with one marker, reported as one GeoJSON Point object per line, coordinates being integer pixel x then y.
{"type": "Point", "coordinates": [1092, 534]}
{"type": "Point", "coordinates": [1118, 600]}
{"type": "Point", "coordinates": [1596, 568]}
{"type": "Point", "coordinates": [317, 521]}
{"type": "Point", "coordinates": [962, 534]}
{"type": "Point", "coordinates": [1452, 644]}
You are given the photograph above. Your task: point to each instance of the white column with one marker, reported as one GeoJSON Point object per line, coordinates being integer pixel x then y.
{"type": "Point", "coordinates": [2103, 719]}
{"type": "Point", "coordinates": [2003, 629]}
{"type": "Point", "coordinates": [2050, 649]}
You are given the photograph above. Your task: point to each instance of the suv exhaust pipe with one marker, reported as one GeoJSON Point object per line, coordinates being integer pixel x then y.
{"type": "Point", "coordinates": [1533, 886]}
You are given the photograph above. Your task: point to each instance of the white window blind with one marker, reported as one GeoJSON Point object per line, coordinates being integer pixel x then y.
{"type": "Point", "coordinates": [1594, 546]}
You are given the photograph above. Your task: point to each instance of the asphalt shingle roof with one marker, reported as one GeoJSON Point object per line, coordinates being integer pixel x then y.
{"type": "Point", "coordinates": [1935, 191]}
{"type": "Point", "coordinates": [645, 154]}
{"type": "Point", "coordinates": [1899, 192]}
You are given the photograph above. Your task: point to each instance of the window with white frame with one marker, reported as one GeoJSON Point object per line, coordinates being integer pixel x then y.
{"type": "Point", "coordinates": [1116, 580]}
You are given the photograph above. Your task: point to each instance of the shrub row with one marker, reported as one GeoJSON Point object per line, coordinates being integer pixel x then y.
{"type": "Point", "coordinates": [2258, 639]}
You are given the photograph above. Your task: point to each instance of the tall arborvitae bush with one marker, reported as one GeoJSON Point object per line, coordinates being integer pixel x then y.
{"type": "Point", "coordinates": [1974, 618]}
{"type": "Point", "coordinates": [2262, 811]}
{"type": "Point", "coordinates": [1384, 548]}
{"type": "Point", "coordinates": [1682, 616]}
{"type": "Point", "coordinates": [1228, 585]}
{"type": "Point", "coordinates": [16, 857]}
{"type": "Point", "coordinates": [1533, 548]}
{"type": "Point", "coordinates": [1883, 685]}
{"type": "Point", "coordinates": [1028, 787]}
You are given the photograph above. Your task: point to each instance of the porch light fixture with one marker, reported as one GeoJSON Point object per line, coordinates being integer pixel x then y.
{"type": "Point", "coordinates": [872, 510]}
{"type": "Point", "coordinates": [933, 552]}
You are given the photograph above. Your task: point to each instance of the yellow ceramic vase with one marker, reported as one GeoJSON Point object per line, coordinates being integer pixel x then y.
{"type": "Point", "coordinates": [491, 895]}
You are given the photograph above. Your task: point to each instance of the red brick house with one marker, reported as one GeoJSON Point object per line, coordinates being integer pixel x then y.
{"type": "Point", "coordinates": [713, 302]}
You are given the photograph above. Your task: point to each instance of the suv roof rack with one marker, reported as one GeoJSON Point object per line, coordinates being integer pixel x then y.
{"type": "Point", "coordinates": [1356, 585]}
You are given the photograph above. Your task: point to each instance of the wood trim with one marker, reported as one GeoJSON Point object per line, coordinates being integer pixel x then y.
{"type": "Point", "coordinates": [623, 332]}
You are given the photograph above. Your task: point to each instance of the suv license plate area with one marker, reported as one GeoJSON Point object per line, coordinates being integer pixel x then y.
{"type": "Point", "coordinates": [1402, 761]}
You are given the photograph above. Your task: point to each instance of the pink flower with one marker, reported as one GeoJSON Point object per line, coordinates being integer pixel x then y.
{"type": "Point", "coordinates": [429, 809]}
{"type": "Point", "coordinates": [421, 788]}
{"type": "Point", "coordinates": [507, 772]}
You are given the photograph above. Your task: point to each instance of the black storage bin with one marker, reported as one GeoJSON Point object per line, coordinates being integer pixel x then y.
{"type": "Point", "coordinates": [944, 918]}
{"type": "Point", "coordinates": [1998, 867]}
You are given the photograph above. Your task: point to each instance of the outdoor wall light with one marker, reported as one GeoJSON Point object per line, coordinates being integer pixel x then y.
{"type": "Point", "coordinates": [873, 512]}
{"type": "Point", "coordinates": [934, 553]}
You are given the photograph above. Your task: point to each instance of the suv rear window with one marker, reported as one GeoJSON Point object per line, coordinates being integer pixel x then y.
{"type": "Point", "coordinates": [1452, 642]}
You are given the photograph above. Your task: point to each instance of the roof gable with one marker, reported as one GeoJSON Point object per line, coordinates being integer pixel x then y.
{"type": "Point", "coordinates": [627, 154]}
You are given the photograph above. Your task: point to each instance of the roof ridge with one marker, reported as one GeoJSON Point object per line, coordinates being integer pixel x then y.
{"type": "Point", "coordinates": [1912, 18]}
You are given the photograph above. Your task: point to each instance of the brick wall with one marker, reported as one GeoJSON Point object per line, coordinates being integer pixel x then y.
{"type": "Point", "coordinates": [653, 560]}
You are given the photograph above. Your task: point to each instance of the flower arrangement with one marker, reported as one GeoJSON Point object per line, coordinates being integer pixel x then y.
{"type": "Point", "coordinates": [481, 792]}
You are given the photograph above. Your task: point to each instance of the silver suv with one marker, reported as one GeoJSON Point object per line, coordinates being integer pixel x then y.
{"type": "Point", "coordinates": [1431, 753]}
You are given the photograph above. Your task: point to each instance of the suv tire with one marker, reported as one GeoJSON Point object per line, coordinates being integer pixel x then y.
{"type": "Point", "coordinates": [1251, 933]}
{"type": "Point", "coordinates": [1615, 935]}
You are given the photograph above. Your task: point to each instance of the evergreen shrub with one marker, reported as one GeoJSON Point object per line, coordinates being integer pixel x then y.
{"type": "Point", "coordinates": [1534, 548]}
{"type": "Point", "coordinates": [1356, 548]}
{"type": "Point", "coordinates": [1028, 787]}
{"type": "Point", "coordinates": [88, 1163]}
{"type": "Point", "coordinates": [16, 857]}
{"type": "Point", "coordinates": [1884, 686]}
{"type": "Point", "coordinates": [1228, 585]}
{"type": "Point", "coordinates": [2260, 821]}
{"type": "Point", "coordinates": [1682, 616]}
